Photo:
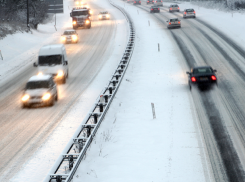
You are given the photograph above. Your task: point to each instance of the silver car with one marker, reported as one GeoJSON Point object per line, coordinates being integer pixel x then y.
{"type": "Point", "coordinates": [158, 3]}
{"type": "Point", "coordinates": [174, 7]}
{"type": "Point", "coordinates": [174, 22]}
{"type": "Point", "coordinates": [104, 15]}
{"type": "Point", "coordinates": [189, 13]}
{"type": "Point", "coordinates": [69, 36]}
{"type": "Point", "coordinates": [41, 90]}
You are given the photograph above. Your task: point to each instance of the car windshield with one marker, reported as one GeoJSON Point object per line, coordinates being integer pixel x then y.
{"type": "Point", "coordinates": [79, 13]}
{"type": "Point", "coordinates": [37, 85]}
{"type": "Point", "coordinates": [154, 6]}
{"type": "Point", "coordinates": [202, 70]}
{"type": "Point", "coordinates": [174, 20]}
{"type": "Point", "coordinates": [50, 60]}
{"type": "Point", "coordinates": [103, 12]}
{"type": "Point", "coordinates": [69, 32]}
{"type": "Point", "coordinates": [189, 10]}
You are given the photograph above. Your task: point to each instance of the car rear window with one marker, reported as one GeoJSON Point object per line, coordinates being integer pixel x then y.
{"type": "Point", "coordinates": [189, 10]}
{"type": "Point", "coordinates": [37, 85]}
{"type": "Point", "coordinates": [202, 70]}
{"type": "Point", "coordinates": [175, 5]}
{"type": "Point", "coordinates": [174, 20]}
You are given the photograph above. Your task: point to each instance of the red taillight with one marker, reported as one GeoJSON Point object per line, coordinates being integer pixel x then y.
{"type": "Point", "coordinates": [213, 77]}
{"type": "Point", "coordinates": [148, 1]}
{"type": "Point", "coordinates": [169, 23]}
{"type": "Point", "coordinates": [193, 79]}
{"type": "Point", "coordinates": [185, 13]}
{"type": "Point", "coordinates": [139, 1]}
{"type": "Point", "coordinates": [151, 9]}
{"type": "Point", "coordinates": [178, 7]}
{"type": "Point", "coordinates": [179, 22]}
{"type": "Point", "coordinates": [170, 8]}
{"type": "Point", "coordinates": [194, 12]}
{"type": "Point", "coordinates": [158, 8]}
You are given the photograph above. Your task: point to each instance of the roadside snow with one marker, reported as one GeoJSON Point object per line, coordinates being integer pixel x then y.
{"type": "Point", "coordinates": [132, 146]}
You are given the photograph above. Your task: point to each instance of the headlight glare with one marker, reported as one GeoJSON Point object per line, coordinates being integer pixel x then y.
{"type": "Point", "coordinates": [46, 96]}
{"type": "Point", "coordinates": [74, 22]}
{"type": "Point", "coordinates": [25, 98]}
{"type": "Point", "coordinates": [60, 74]}
{"type": "Point", "coordinates": [40, 73]}
{"type": "Point", "coordinates": [107, 16]}
{"type": "Point", "coordinates": [74, 37]}
{"type": "Point", "coordinates": [100, 16]}
{"type": "Point", "coordinates": [63, 38]}
{"type": "Point", "coordinates": [87, 21]}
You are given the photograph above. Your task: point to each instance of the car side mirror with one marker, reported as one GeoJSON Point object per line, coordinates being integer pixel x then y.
{"type": "Point", "coordinates": [215, 70]}
{"type": "Point", "coordinates": [70, 14]}
{"type": "Point", "coordinates": [66, 63]}
{"type": "Point", "coordinates": [166, 21]}
{"type": "Point", "coordinates": [35, 64]}
{"type": "Point", "coordinates": [188, 73]}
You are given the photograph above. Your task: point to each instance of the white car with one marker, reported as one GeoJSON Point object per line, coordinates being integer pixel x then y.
{"type": "Point", "coordinates": [52, 59]}
{"type": "Point", "coordinates": [158, 3]}
{"type": "Point", "coordinates": [69, 36]}
{"type": "Point", "coordinates": [104, 15]}
{"type": "Point", "coordinates": [189, 13]}
{"type": "Point", "coordinates": [41, 90]}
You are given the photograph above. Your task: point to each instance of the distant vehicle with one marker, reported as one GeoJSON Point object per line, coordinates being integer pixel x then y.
{"type": "Point", "coordinates": [80, 17]}
{"type": "Point", "coordinates": [52, 59]}
{"type": "Point", "coordinates": [174, 22]}
{"type": "Point", "coordinates": [150, 2]}
{"type": "Point", "coordinates": [154, 9]}
{"type": "Point", "coordinates": [203, 77]}
{"type": "Point", "coordinates": [158, 2]}
{"type": "Point", "coordinates": [104, 15]}
{"type": "Point", "coordinates": [137, 2]}
{"type": "Point", "coordinates": [40, 89]}
{"type": "Point", "coordinates": [189, 13]}
{"type": "Point", "coordinates": [69, 36]}
{"type": "Point", "coordinates": [174, 7]}
{"type": "Point", "coordinates": [130, 1]}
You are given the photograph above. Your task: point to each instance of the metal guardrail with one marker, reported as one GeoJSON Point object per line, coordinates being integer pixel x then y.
{"type": "Point", "coordinates": [66, 165]}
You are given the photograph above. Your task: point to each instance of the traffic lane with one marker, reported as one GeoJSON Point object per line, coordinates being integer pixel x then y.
{"type": "Point", "coordinates": [22, 131]}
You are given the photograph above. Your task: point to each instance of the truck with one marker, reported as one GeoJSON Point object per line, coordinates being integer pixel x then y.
{"type": "Point", "coordinates": [81, 17]}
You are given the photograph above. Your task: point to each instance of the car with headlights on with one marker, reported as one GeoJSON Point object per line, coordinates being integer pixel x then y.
{"type": "Point", "coordinates": [150, 2]}
{"type": "Point", "coordinates": [189, 13]}
{"type": "Point", "coordinates": [173, 7]}
{"type": "Point", "coordinates": [104, 15]}
{"type": "Point", "coordinates": [202, 76]}
{"type": "Point", "coordinates": [69, 36]}
{"type": "Point", "coordinates": [173, 23]}
{"type": "Point", "coordinates": [39, 90]}
{"type": "Point", "coordinates": [154, 9]}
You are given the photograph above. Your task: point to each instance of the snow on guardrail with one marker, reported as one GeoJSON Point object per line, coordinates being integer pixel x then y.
{"type": "Point", "coordinates": [66, 165]}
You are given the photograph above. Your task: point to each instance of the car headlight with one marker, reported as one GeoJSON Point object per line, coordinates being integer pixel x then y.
{"type": "Point", "coordinates": [25, 98]}
{"type": "Point", "coordinates": [74, 22]}
{"type": "Point", "coordinates": [63, 38]}
{"type": "Point", "coordinates": [77, 3]}
{"type": "Point", "coordinates": [87, 21]}
{"type": "Point", "coordinates": [107, 16]}
{"type": "Point", "coordinates": [46, 96]}
{"type": "Point", "coordinates": [91, 12]}
{"type": "Point", "coordinates": [40, 73]}
{"type": "Point", "coordinates": [74, 37]}
{"type": "Point", "coordinates": [60, 74]}
{"type": "Point", "coordinates": [100, 16]}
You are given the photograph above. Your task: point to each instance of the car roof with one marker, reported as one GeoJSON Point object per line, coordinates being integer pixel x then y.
{"type": "Point", "coordinates": [55, 49]}
{"type": "Point", "coordinates": [39, 78]}
{"type": "Point", "coordinates": [197, 67]}
{"type": "Point", "coordinates": [70, 30]}
{"type": "Point", "coordinates": [104, 12]}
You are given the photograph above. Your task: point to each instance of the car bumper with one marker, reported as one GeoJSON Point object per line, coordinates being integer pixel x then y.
{"type": "Point", "coordinates": [174, 25]}
{"type": "Point", "coordinates": [104, 18]}
{"type": "Point", "coordinates": [189, 15]}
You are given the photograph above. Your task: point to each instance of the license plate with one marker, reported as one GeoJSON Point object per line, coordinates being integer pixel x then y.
{"type": "Point", "coordinates": [204, 78]}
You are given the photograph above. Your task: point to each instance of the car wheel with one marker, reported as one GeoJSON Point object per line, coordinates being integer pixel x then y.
{"type": "Point", "coordinates": [56, 97]}
{"type": "Point", "coordinates": [63, 80]}
{"type": "Point", "coordinates": [67, 75]}
{"type": "Point", "coordinates": [52, 102]}
{"type": "Point", "coordinates": [179, 26]}
{"type": "Point", "coordinates": [25, 106]}
{"type": "Point", "coordinates": [194, 16]}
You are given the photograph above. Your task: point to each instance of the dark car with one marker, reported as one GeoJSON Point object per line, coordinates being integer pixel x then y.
{"type": "Point", "coordinates": [137, 2]}
{"type": "Point", "coordinates": [203, 77]}
{"type": "Point", "coordinates": [154, 9]}
{"type": "Point", "coordinates": [150, 2]}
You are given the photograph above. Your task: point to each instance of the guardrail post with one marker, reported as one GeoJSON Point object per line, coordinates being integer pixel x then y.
{"type": "Point", "coordinates": [106, 98]}
{"type": "Point", "coordinates": [80, 145]}
{"type": "Point", "coordinates": [110, 90]}
{"type": "Point", "coordinates": [95, 118]}
{"type": "Point", "coordinates": [101, 107]}
{"type": "Point", "coordinates": [70, 158]}
{"type": "Point", "coordinates": [88, 131]}
{"type": "Point", "coordinates": [58, 178]}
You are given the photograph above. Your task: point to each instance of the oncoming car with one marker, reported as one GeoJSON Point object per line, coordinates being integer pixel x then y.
{"type": "Point", "coordinates": [174, 22]}
{"type": "Point", "coordinates": [154, 9]}
{"type": "Point", "coordinates": [69, 36]}
{"type": "Point", "coordinates": [41, 90]}
{"type": "Point", "coordinates": [203, 77]}
{"type": "Point", "coordinates": [104, 15]}
{"type": "Point", "coordinates": [174, 7]}
{"type": "Point", "coordinates": [189, 13]}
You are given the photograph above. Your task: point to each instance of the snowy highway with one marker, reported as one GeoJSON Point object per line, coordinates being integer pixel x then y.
{"type": "Point", "coordinates": [196, 136]}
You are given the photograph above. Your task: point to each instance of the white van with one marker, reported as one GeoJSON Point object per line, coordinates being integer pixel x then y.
{"type": "Point", "coordinates": [52, 59]}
